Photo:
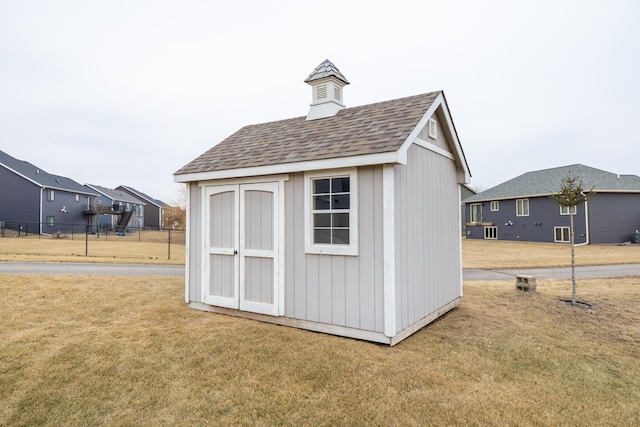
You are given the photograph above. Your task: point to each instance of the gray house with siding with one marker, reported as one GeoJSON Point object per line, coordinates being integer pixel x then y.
{"type": "Point", "coordinates": [521, 209]}
{"type": "Point", "coordinates": [346, 221]}
{"type": "Point", "coordinates": [156, 211]}
{"type": "Point", "coordinates": [35, 201]}
{"type": "Point", "coordinates": [117, 210]}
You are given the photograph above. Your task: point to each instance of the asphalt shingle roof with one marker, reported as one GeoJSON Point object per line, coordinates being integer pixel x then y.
{"type": "Point", "coordinates": [146, 197]}
{"type": "Point", "coordinates": [369, 129]}
{"type": "Point", "coordinates": [42, 178]}
{"type": "Point", "coordinates": [546, 181]}
{"type": "Point", "coordinates": [116, 195]}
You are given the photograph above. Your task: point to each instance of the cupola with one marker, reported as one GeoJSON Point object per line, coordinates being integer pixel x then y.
{"type": "Point", "coordinates": [326, 83]}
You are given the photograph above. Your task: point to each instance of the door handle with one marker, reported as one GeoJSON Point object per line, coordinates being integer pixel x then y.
{"type": "Point", "coordinates": [235, 252]}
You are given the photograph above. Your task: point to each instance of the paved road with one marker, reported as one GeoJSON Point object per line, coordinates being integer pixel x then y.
{"type": "Point", "coordinates": [585, 272]}
{"type": "Point", "coordinates": [90, 269]}
{"type": "Point", "coordinates": [178, 270]}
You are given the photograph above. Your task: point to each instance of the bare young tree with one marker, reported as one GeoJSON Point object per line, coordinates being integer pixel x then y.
{"type": "Point", "coordinates": [571, 195]}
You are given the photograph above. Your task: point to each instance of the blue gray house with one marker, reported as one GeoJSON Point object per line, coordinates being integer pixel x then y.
{"type": "Point", "coordinates": [156, 212]}
{"type": "Point", "coordinates": [34, 201]}
{"type": "Point", "coordinates": [521, 209]}
{"type": "Point", "coordinates": [117, 210]}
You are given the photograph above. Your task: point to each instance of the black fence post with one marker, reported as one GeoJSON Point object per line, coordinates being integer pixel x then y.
{"type": "Point", "coordinates": [169, 245]}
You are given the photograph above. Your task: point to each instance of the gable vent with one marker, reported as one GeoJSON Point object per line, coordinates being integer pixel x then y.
{"type": "Point", "coordinates": [321, 92]}
{"type": "Point", "coordinates": [433, 129]}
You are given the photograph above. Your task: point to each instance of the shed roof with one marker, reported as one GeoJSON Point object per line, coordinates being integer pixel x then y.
{"type": "Point", "coordinates": [546, 181]}
{"type": "Point", "coordinates": [42, 178]}
{"type": "Point", "coordinates": [370, 129]}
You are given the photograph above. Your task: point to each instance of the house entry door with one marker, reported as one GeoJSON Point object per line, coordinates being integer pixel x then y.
{"type": "Point", "coordinates": [241, 247]}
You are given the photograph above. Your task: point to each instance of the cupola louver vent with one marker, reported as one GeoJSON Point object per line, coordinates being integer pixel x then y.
{"type": "Point", "coordinates": [321, 92]}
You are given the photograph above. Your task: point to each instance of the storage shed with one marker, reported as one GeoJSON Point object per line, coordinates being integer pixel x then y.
{"type": "Point", "coordinates": [346, 221]}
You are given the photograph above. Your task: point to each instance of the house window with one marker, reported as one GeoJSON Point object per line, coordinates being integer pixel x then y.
{"type": "Point", "coordinates": [476, 212]}
{"type": "Point", "coordinates": [491, 233]}
{"type": "Point", "coordinates": [50, 196]}
{"type": "Point", "coordinates": [564, 210]}
{"type": "Point", "coordinates": [522, 207]}
{"type": "Point", "coordinates": [331, 219]}
{"type": "Point", "coordinates": [77, 197]}
{"type": "Point", "coordinates": [495, 206]}
{"type": "Point", "coordinates": [561, 234]}
{"type": "Point", "coordinates": [51, 220]}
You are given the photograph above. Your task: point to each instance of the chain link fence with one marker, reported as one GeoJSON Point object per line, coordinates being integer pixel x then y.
{"type": "Point", "coordinates": [80, 240]}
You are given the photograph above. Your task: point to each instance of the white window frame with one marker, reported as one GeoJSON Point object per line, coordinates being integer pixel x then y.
{"type": "Point", "coordinates": [568, 234]}
{"type": "Point", "coordinates": [495, 206]}
{"type": "Point", "coordinates": [51, 197]}
{"type": "Point", "coordinates": [471, 218]}
{"type": "Point", "coordinates": [564, 210]}
{"type": "Point", "coordinates": [522, 207]}
{"type": "Point", "coordinates": [491, 232]}
{"type": "Point", "coordinates": [324, 248]}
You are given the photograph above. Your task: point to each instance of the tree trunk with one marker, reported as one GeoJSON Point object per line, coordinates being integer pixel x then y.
{"type": "Point", "coordinates": [573, 258]}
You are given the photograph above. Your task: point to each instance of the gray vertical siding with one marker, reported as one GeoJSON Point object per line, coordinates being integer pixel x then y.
{"type": "Point", "coordinates": [336, 289]}
{"type": "Point", "coordinates": [19, 198]}
{"type": "Point", "coordinates": [427, 235]}
{"type": "Point", "coordinates": [614, 217]}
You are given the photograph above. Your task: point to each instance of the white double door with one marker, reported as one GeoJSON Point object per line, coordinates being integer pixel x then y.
{"type": "Point", "coordinates": [241, 267]}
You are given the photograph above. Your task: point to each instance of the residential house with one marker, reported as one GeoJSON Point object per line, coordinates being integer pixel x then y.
{"type": "Point", "coordinates": [346, 221]}
{"type": "Point", "coordinates": [521, 209]}
{"type": "Point", "coordinates": [156, 212]}
{"type": "Point", "coordinates": [117, 210]}
{"type": "Point", "coordinates": [35, 201]}
{"type": "Point", "coordinates": [465, 191]}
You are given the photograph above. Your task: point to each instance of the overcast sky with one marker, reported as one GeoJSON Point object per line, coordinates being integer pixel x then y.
{"type": "Point", "coordinates": [127, 92]}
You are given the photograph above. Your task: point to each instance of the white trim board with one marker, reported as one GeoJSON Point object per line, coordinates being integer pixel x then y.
{"type": "Point", "coordinates": [284, 168]}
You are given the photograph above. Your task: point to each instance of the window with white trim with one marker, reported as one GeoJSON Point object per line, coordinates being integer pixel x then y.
{"type": "Point", "coordinates": [495, 206]}
{"type": "Point", "coordinates": [522, 207]}
{"type": "Point", "coordinates": [50, 196]}
{"type": "Point", "coordinates": [561, 234]}
{"type": "Point", "coordinates": [491, 232]}
{"type": "Point", "coordinates": [331, 209]}
{"type": "Point", "coordinates": [475, 211]}
{"type": "Point", "coordinates": [564, 210]}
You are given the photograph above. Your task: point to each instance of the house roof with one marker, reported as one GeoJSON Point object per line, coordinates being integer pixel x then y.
{"type": "Point", "coordinates": [145, 197]}
{"type": "Point", "coordinates": [370, 129]}
{"type": "Point", "coordinates": [546, 181]}
{"type": "Point", "coordinates": [326, 69]}
{"type": "Point", "coordinates": [116, 195]}
{"type": "Point", "coordinates": [42, 178]}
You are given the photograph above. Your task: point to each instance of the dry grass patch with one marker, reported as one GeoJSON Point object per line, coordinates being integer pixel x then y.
{"type": "Point", "coordinates": [114, 250]}
{"type": "Point", "coordinates": [494, 254]}
{"type": "Point", "coordinates": [127, 351]}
